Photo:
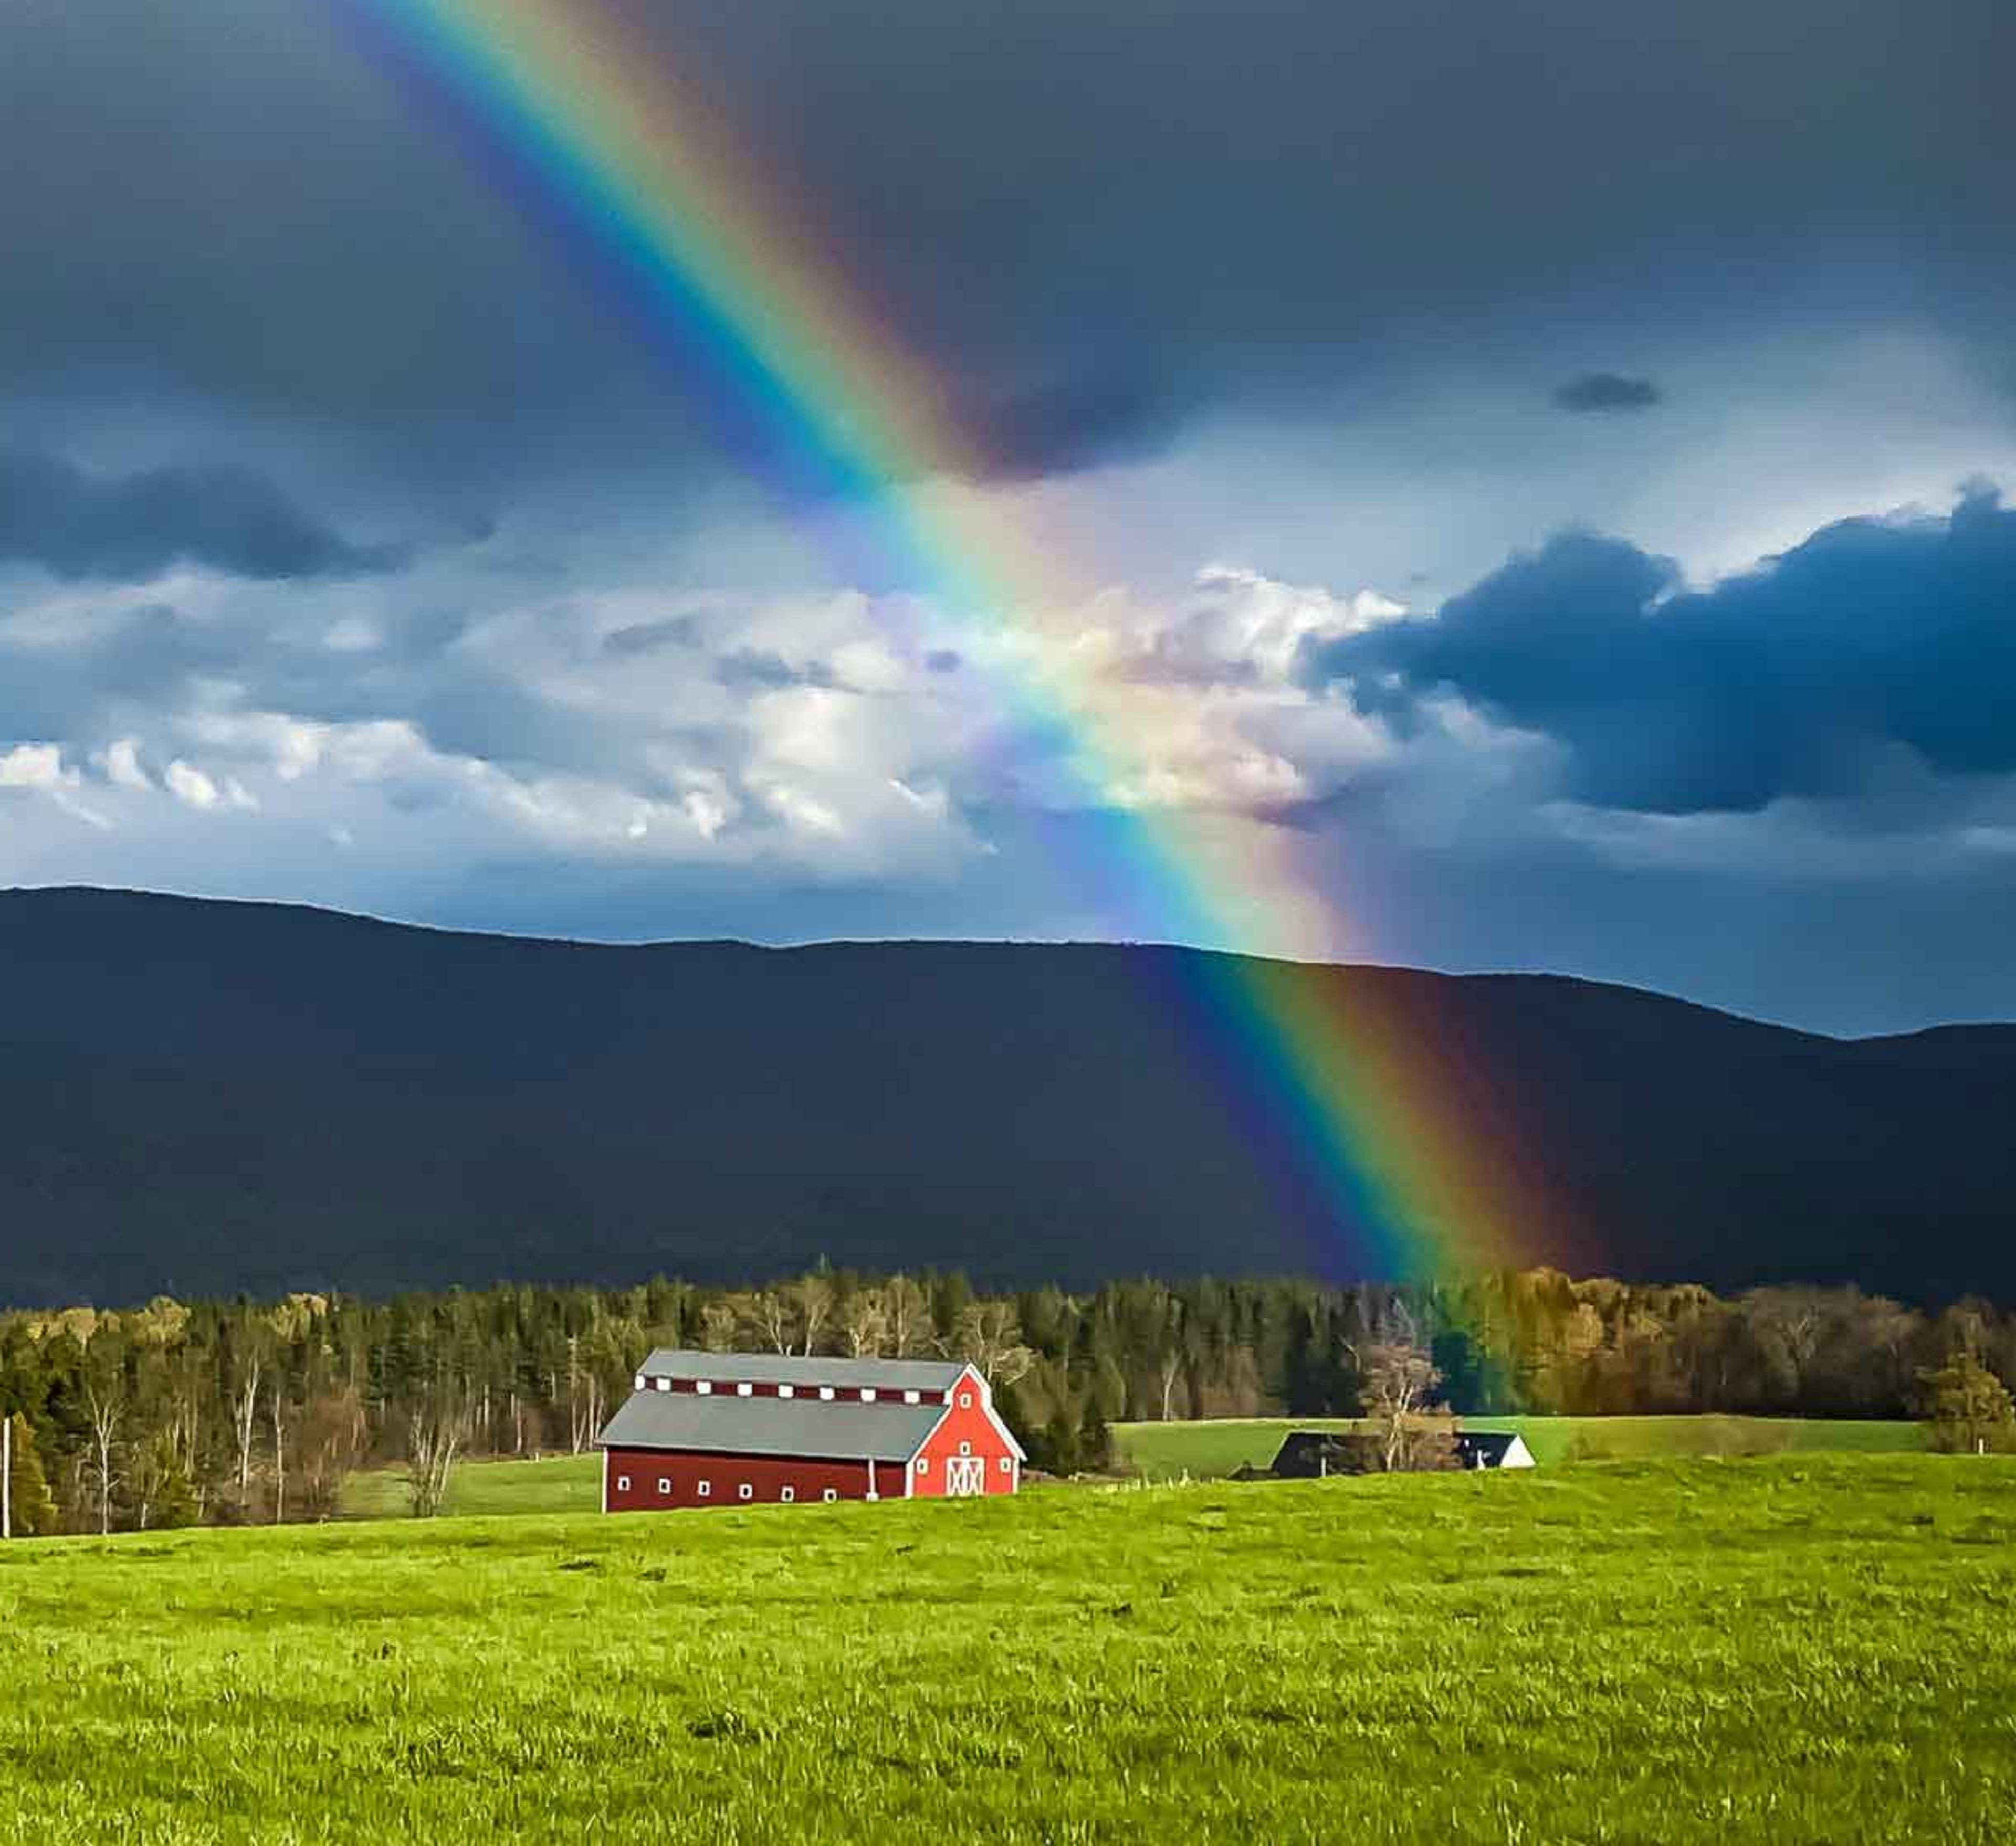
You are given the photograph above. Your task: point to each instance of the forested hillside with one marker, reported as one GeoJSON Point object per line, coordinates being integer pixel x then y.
{"type": "Point", "coordinates": [204, 1097]}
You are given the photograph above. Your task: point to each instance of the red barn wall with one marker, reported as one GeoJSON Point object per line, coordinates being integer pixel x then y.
{"type": "Point", "coordinates": [969, 1425]}
{"type": "Point", "coordinates": [766, 1476]}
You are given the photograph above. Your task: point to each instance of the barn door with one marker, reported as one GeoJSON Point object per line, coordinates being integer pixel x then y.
{"type": "Point", "coordinates": [966, 1474]}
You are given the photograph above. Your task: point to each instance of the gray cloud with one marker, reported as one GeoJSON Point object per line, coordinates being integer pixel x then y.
{"type": "Point", "coordinates": [758, 669]}
{"type": "Point", "coordinates": [1792, 680]}
{"type": "Point", "coordinates": [269, 220]}
{"type": "Point", "coordinates": [133, 526]}
{"type": "Point", "coordinates": [1600, 391]}
{"type": "Point", "coordinates": [1103, 415]}
{"type": "Point", "coordinates": [643, 637]}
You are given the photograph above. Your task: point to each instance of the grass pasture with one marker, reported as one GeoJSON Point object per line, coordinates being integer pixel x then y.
{"type": "Point", "coordinates": [1210, 1451]}
{"type": "Point", "coordinates": [1206, 1452]}
{"type": "Point", "coordinates": [1806, 1648]}
{"type": "Point", "coordinates": [553, 1483]}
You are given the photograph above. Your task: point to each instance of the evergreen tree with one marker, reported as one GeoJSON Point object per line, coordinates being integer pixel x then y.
{"type": "Point", "coordinates": [33, 1506]}
{"type": "Point", "coordinates": [1095, 1439]}
{"type": "Point", "coordinates": [1056, 1451]}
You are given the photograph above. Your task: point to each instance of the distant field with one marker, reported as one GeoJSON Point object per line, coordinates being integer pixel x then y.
{"type": "Point", "coordinates": [1812, 1648]}
{"type": "Point", "coordinates": [1208, 1450]}
{"type": "Point", "coordinates": [553, 1484]}
{"type": "Point", "coordinates": [1205, 1451]}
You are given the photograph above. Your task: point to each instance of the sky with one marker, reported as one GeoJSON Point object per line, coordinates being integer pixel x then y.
{"type": "Point", "coordinates": [1545, 474]}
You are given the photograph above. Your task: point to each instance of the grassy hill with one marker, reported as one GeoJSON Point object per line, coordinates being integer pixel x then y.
{"type": "Point", "coordinates": [1551, 1655]}
{"type": "Point", "coordinates": [207, 1098]}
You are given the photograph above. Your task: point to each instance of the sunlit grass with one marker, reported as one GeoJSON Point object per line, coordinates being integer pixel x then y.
{"type": "Point", "coordinates": [1792, 1649]}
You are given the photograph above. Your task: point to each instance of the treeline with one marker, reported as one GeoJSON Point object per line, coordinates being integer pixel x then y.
{"type": "Point", "coordinates": [241, 1412]}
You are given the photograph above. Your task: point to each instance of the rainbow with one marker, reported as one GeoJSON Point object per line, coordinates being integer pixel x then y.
{"type": "Point", "coordinates": [1375, 1129]}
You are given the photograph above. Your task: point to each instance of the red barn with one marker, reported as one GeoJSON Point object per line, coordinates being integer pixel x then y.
{"type": "Point", "coordinates": [716, 1429]}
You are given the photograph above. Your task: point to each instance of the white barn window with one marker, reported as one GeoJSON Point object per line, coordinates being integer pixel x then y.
{"type": "Point", "coordinates": [825, 1393]}
{"type": "Point", "coordinates": [746, 1491]}
{"type": "Point", "coordinates": [787, 1494]}
{"type": "Point", "coordinates": [787, 1390]}
{"type": "Point", "coordinates": [742, 1391]}
{"type": "Point", "coordinates": [705, 1489]}
{"type": "Point", "coordinates": [911, 1397]}
{"type": "Point", "coordinates": [966, 1449]}
{"type": "Point", "coordinates": [640, 1381]}
{"type": "Point", "coordinates": [665, 1486]}
{"type": "Point", "coordinates": [923, 1464]}
{"type": "Point", "coordinates": [622, 1483]}
{"type": "Point", "coordinates": [830, 1494]}
{"type": "Point", "coordinates": [662, 1383]}
{"type": "Point", "coordinates": [704, 1388]}
{"type": "Point", "coordinates": [1007, 1465]}
{"type": "Point", "coordinates": [965, 1400]}
{"type": "Point", "coordinates": [868, 1395]}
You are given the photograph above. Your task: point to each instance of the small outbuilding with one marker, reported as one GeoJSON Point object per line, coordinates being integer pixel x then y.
{"type": "Point", "coordinates": [1315, 1455]}
{"type": "Point", "coordinates": [716, 1429]}
{"type": "Point", "coordinates": [1493, 1448]}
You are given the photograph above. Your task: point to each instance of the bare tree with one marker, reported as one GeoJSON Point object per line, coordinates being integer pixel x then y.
{"type": "Point", "coordinates": [276, 1409]}
{"type": "Point", "coordinates": [104, 1400]}
{"type": "Point", "coordinates": [718, 1321]}
{"type": "Point", "coordinates": [330, 1441]}
{"type": "Point", "coordinates": [907, 1311]}
{"type": "Point", "coordinates": [811, 1300]}
{"type": "Point", "coordinates": [1396, 1383]}
{"type": "Point", "coordinates": [436, 1430]}
{"type": "Point", "coordinates": [864, 1323]}
{"type": "Point", "coordinates": [770, 1315]}
{"type": "Point", "coordinates": [585, 1397]}
{"type": "Point", "coordinates": [244, 1415]}
{"type": "Point", "coordinates": [988, 1336]}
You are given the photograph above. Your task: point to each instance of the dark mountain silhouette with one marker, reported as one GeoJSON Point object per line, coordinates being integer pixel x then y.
{"type": "Point", "coordinates": [209, 1097]}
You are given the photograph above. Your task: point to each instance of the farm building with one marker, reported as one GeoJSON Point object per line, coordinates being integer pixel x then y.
{"type": "Point", "coordinates": [1493, 1448]}
{"type": "Point", "coordinates": [1309, 1454]}
{"type": "Point", "coordinates": [712, 1429]}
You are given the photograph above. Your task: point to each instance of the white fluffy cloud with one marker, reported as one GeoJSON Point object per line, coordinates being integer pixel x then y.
{"type": "Point", "coordinates": [844, 736]}
{"type": "Point", "coordinates": [35, 766]}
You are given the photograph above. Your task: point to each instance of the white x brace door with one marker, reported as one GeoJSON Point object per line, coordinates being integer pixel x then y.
{"type": "Point", "coordinates": [966, 1474]}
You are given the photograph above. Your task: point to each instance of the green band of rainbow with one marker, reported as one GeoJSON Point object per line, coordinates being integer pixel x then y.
{"type": "Point", "coordinates": [592, 131]}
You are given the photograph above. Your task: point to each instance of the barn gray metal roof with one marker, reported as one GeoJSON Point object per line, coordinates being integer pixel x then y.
{"type": "Point", "coordinates": [772, 1426]}
{"type": "Point", "coordinates": [779, 1368]}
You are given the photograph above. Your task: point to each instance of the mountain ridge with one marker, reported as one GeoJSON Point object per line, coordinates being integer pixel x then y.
{"type": "Point", "coordinates": [218, 1095]}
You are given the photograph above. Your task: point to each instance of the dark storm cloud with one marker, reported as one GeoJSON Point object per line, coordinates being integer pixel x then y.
{"type": "Point", "coordinates": [1061, 428]}
{"type": "Point", "coordinates": [131, 527]}
{"type": "Point", "coordinates": [1607, 391]}
{"type": "Point", "coordinates": [1792, 679]}
{"type": "Point", "coordinates": [235, 204]}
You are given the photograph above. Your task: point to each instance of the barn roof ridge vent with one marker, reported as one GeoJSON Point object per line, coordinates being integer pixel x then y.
{"type": "Point", "coordinates": [780, 1368]}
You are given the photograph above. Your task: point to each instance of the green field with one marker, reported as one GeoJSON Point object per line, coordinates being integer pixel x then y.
{"type": "Point", "coordinates": [1800, 1649]}
{"type": "Point", "coordinates": [1208, 1450]}
{"type": "Point", "coordinates": [553, 1483]}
